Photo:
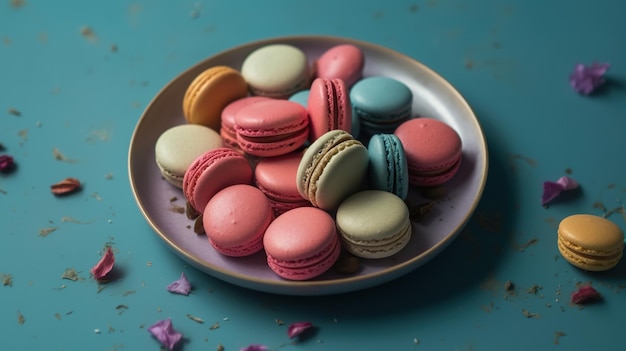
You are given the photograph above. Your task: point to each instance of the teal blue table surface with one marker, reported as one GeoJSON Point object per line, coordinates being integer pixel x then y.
{"type": "Point", "coordinates": [76, 76]}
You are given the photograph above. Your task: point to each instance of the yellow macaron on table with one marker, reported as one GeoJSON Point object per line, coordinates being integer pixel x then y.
{"type": "Point", "coordinates": [116, 159]}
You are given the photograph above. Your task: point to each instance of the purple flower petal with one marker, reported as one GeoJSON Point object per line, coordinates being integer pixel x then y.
{"type": "Point", "coordinates": [254, 347]}
{"type": "Point", "coordinates": [6, 163]}
{"type": "Point", "coordinates": [584, 293]}
{"type": "Point", "coordinates": [586, 80]}
{"type": "Point", "coordinates": [164, 331]}
{"type": "Point", "coordinates": [567, 183]}
{"type": "Point", "coordinates": [553, 189]}
{"type": "Point", "coordinates": [180, 286]}
{"type": "Point", "coordinates": [298, 328]}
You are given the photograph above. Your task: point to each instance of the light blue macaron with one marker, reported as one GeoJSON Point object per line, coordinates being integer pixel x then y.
{"type": "Point", "coordinates": [301, 97]}
{"type": "Point", "coordinates": [381, 103]}
{"type": "Point", "coordinates": [388, 169]}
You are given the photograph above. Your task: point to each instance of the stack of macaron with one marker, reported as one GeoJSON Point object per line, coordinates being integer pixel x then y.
{"type": "Point", "coordinates": [304, 158]}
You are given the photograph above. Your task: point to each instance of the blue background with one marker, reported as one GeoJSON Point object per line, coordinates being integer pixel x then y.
{"type": "Point", "coordinates": [83, 94]}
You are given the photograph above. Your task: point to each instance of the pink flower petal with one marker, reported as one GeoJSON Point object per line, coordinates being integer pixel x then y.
{"type": "Point", "coordinates": [180, 286]}
{"type": "Point", "coordinates": [584, 294]}
{"type": "Point", "coordinates": [586, 80]}
{"type": "Point", "coordinates": [164, 331]}
{"type": "Point", "coordinates": [254, 347]}
{"type": "Point", "coordinates": [104, 266]}
{"type": "Point", "coordinates": [298, 328]}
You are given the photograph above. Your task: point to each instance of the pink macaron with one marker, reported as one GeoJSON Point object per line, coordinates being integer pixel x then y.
{"type": "Point", "coordinates": [213, 171]}
{"type": "Point", "coordinates": [302, 243]}
{"type": "Point", "coordinates": [433, 150]}
{"type": "Point", "coordinates": [329, 107]}
{"type": "Point", "coordinates": [271, 128]}
{"type": "Point", "coordinates": [276, 177]}
{"type": "Point", "coordinates": [235, 220]}
{"type": "Point", "coordinates": [227, 129]}
{"type": "Point", "coordinates": [343, 61]}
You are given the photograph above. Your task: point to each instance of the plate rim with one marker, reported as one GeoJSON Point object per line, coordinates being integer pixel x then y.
{"type": "Point", "coordinates": [314, 287]}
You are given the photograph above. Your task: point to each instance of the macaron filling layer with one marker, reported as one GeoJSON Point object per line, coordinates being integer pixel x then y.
{"type": "Point", "coordinates": [307, 268]}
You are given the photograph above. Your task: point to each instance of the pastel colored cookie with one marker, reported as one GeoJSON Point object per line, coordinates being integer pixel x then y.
{"type": "Point", "coordinates": [590, 242]}
{"type": "Point", "coordinates": [301, 97]}
{"type": "Point", "coordinates": [433, 150]}
{"type": "Point", "coordinates": [277, 70]}
{"type": "Point", "coordinates": [235, 220]}
{"type": "Point", "coordinates": [179, 146]}
{"type": "Point", "coordinates": [271, 128]}
{"type": "Point", "coordinates": [329, 107]}
{"type": "Point", "coordinates": [388, 169]}
{"type": "Point", "coordinates": [381, 103]}
{"type": "Point", "coordinates": [302, 243]}
{"type": "Point", "coordinates": [227, 129]}
{"type": "Point", "coordinates": [374, 224]}
{"type": "Point", "coordinates": [276, 177]}
{"type": "Point", "coordinates": [332, 168]}
{"type": "Point", "coordinates": [210, 92]}
{"type": "Point", "coordinates": [344, 62]}
{"type": "Point", "coordinates": [213, 171]}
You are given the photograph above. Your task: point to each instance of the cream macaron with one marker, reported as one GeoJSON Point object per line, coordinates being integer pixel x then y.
{"type": "Point", "coordinates": [590, 242]}
{"type": "Point", "coordinates": [374, 224]}
{"type": "Point", "coordinates": [178, 147]}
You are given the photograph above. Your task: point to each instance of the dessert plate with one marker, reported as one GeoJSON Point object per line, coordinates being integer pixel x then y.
{"type": "Point", "coordinates": [433, 97]}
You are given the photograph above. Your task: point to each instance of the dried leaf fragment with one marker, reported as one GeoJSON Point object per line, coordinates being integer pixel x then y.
{"type": "Point", "coordinates": [20, 318]}
{"type": "Point", "coordinates": [7, 280]}
{"type": "Point", "coordinates": [528, 314]}
{"type": "Point", "coordinates": [14, 112]}
{"type": "Point", "coordinates": [88, 33]}
{"type": "Point", "coordinates": [195, 319]}
{"type": "Point", "coordinates": [557, 336]}
{"type": "Point", "coordinates": [56, 153]}
{"type": "Point", "coordinates": [70, 274]}
{"type": "Point", "coordinates": [47, 230]}
{"type": "Point", "coordinates": [214, 326]}
{"type": "Point", "coordinates": [66, 186]}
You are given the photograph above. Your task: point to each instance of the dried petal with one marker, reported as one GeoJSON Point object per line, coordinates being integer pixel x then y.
{"type": "Point", "coordinates": [553, 189]}
{"type": "Point", "coordinates": [254, 347]}
{"type": "Point", "coordinates": [180, 286]}
{"type": "Point", "coordinates": [7, 163]}
{"type": "Point", "coordinates": [298, 328]}
{"type": "Point", "coordinates": [66, 186]}
{"type": "Point", "coordinates": [104, 266]}
{"type": "Point", "coordinates": [586, 80]}
{"type": "Point", "coordinates": [164, 331]}
{"type": "Point", "coordinates": [585, 293]}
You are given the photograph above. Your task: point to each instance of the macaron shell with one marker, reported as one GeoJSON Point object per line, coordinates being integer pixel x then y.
{"type": "Point", "coordinates": [344, 61]}
{"type": "Point", "coordinates": [227, 129]}
{"type": "Point", "coordinates": [573, 255]}
{"type": "Point", "coordinates": [374, 224]}
{"type": "Point", "coordinates": [210, 92]}
{"type": "Point", "coordinates": [381, 99]}
{"type": "Point", "coordinates": [212, 172]}
{"type": "Point", "coordinates": [329, 107]}
{"type": "Point", "coordinates": [235, 220]}
{"type": "Point", "coordinates": [271, 128]}
{"type": "Point", "coordinates": [276, 70]}
{"type": "Point", "coordinates": [302, 243]}
{"type": "Point", "coordinates": [388, 168]}
{"type": "Point", "coordinates": [179, 146]}
{"type": "Point", "coordinates": [432, 148]}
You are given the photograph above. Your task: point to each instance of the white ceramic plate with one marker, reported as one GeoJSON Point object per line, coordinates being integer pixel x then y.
{"type": "Point", "coordinates": [433, 96]}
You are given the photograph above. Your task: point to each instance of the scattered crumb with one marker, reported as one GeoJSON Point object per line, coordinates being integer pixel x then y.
{"type": "Point", "coordinates": [469, 64]}
{"type": "Point", "coordinates": [108, 176]}
{"type": "Point", "coordinates": [419, 212]}
{"type": "Point", "coordinates": [413, 8]}
{"type": "Point", "coordinates": [198, 226]}
{"type": "Point", "coordinates": [114, 48]}
{"type": "Point", "coordinates": [530, 242]}
{"type": "Point", "coordinates": [23, 134]}
{"type": "Point", "coordinates": [128, 292]}
{"type": "Point", "coordinates": [14, 112]}
{"type": "Point", "coordinates": [195, 319]}
{"type": "Point", "coordinates": [69, 219]}
{"type": "Point", "coordinates": [557, 336]}
{"type": "Point", "coordinates": [489, 221]}
{"type": "Point", "coordinates": [70, 274]}
{"type": "Point", "coordinates": [279, 321]}
{"type": "Point", "coordinates": [96, 196]}
{"type": "Point", "coordinates": [568, 170]}
{"type": "Point", "coordinates": [20, 318]}
{"type": "Point", "coordinates": [88, 34]}
{"type": "Point", "coordinates": [220, 347]}
{"type": "Point", "coordinates": [509, 287]}
{"type": "Point", "coordinates": [16, 4]}
{"type": "Point", "coordinates": [534, 289]}
{"type": "Point", "coordinates": [121, 308]}
{"type": "Point", "coordinates": [7, 280]}
{"type": "Point", "coordinates": [58, 155]}
{"type": "Point", "coordinates": [57, 316]}
{"type": "Point", "coordinates": [214, 326]}
{"type": "Point", "coordinates": [43, 232]}
{"type": "Point", "coordinates": [528, 160]}
{"type": "Point", "coordinates": [416, 341]}
{"type": "Point", "coordinates": [528, 314]}
{"type": "Point", "coordinates": [599, 205]}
